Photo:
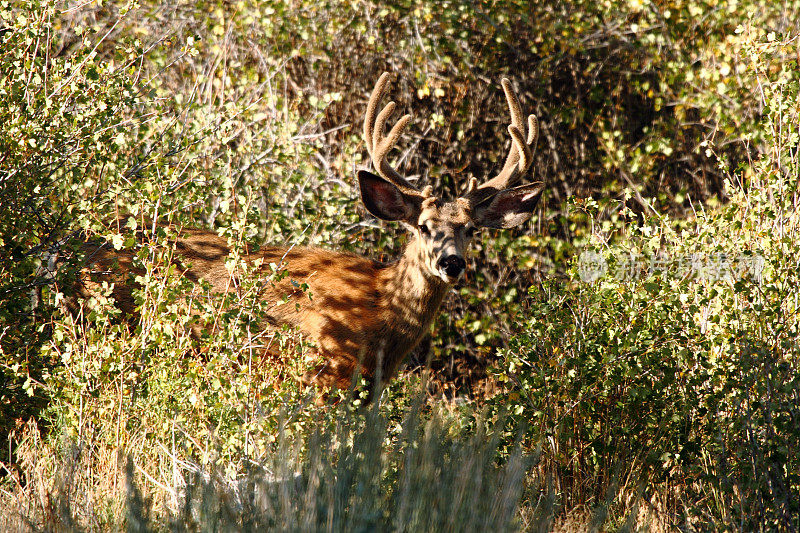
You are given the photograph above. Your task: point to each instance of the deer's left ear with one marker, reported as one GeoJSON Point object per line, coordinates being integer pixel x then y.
{"type": "Point", "coordinates": [508, 208]}
{"type": "Point", "coordinates": [385, 200]}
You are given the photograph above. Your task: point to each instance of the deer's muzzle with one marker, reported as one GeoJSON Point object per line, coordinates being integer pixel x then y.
{"type": "Point", "coordinates": [452, 265]}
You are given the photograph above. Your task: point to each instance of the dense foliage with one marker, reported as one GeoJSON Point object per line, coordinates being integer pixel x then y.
{"type": "Point", "coordinates": [663, 393]}
{"type": "Point", "coordinates": [681, 359]}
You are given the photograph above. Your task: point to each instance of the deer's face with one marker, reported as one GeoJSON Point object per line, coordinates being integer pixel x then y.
{"type": "Point", "coordinates": [443, 231]}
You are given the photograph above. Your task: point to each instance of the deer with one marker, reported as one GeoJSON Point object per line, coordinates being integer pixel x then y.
{"type": "Point", "coordinates": [366, 316]}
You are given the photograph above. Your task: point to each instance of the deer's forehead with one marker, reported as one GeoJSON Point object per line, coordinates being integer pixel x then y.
{"type": "Point", "coordinates": [455, 213]}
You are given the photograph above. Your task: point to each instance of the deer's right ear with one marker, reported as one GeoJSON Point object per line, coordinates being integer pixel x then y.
{"type": "Point", "coordinates": [383, 199]}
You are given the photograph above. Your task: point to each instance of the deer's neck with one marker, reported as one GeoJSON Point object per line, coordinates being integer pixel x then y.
{"type": "Point", "coordinates": [411, 293]}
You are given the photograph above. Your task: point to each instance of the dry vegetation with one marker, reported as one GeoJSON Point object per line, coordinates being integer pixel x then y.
{"type": "Point", "coordinates": [669, 130]}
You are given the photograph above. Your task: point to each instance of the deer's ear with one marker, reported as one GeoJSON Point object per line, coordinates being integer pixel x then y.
{"type": "Point", "coordinates": [385, 200]}
{"type": "Point", "coordinates": [508, 208]}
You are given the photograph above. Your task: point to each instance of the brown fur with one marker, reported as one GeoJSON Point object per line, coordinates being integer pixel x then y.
{"type": "Point", "coordinates": [356, 310]}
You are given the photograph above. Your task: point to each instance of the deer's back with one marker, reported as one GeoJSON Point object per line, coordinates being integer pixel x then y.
{"type": "Point", "coordinates": [333, 297]}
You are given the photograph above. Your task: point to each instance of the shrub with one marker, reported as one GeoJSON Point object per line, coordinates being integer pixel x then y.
{"type": "Point", "coordinates": [434, 477]}
{"type": "Point", "coordinates": [681, 370]}
{"type": "Point", "coordinates": [244, 117]}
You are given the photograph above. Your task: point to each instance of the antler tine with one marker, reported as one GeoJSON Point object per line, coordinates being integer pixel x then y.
{"type": "Point", "coordinates": [379, 144]}
{"type": "Point", "coordinates": [372, 106]}
{"type": "Point", "coordinates": [519, 158]}
{"type": "Point", "coordinates": [533, 131]}
{"type": "Point", "coordinates": [513, 103]}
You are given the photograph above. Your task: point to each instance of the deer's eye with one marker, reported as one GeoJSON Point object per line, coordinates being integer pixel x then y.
{"type": "Point", "coordinates": [424, 229]}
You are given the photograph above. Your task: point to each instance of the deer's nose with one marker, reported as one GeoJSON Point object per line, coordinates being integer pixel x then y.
{"type": "Point", "coordinates": [453, 265]}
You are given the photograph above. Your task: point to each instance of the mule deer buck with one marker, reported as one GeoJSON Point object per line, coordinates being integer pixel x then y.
{"type": "Point", "coordinates": [364, 314]}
